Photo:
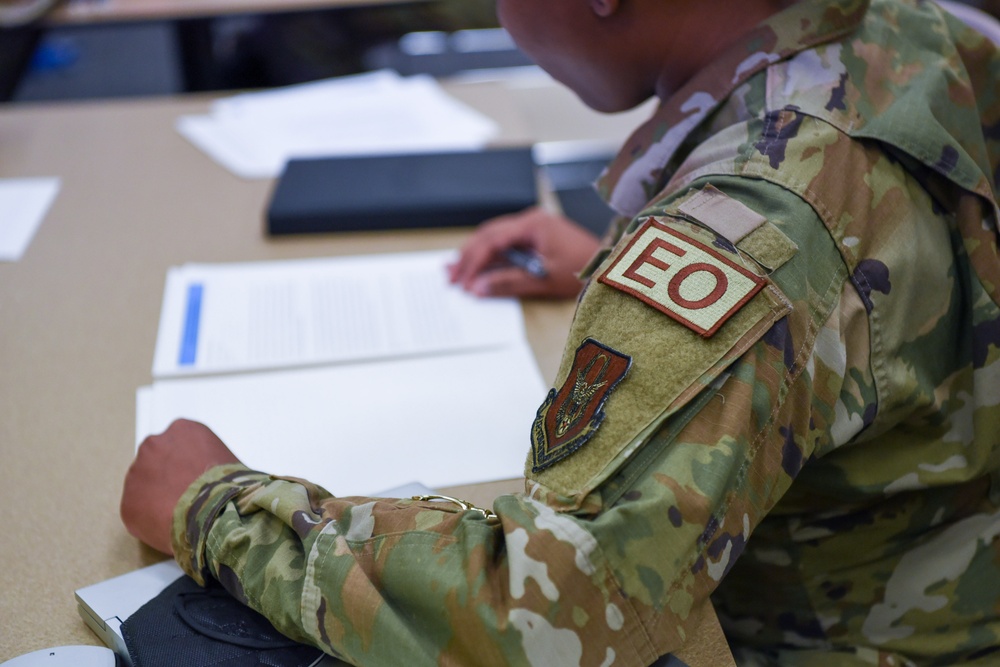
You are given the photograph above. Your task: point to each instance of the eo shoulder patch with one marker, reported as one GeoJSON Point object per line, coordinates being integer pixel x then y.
{"type": "Point", "coordinates": [691, 282]}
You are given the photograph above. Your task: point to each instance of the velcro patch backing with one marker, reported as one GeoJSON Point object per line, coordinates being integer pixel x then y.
{"type": "Point", "coordinates": [689, 281]}
{"type": "Point", "coordinates": [723, 215]}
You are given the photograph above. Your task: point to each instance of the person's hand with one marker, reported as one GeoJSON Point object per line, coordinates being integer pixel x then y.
{"type": "Point", "coordinates": [563, 246]}
{"type": "Point", "coordinates": [163, 469]}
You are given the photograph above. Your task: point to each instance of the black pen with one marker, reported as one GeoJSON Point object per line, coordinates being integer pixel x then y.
{"type": "Point", "coordinates": [527, 260]}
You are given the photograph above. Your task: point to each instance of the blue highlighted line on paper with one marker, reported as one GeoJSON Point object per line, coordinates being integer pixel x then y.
{"type": "Point", "coordinates": [192, 324]}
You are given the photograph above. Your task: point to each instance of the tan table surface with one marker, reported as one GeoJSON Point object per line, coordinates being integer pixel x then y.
{"type": "Point", "coordinates": [79, 314]}
{"type": "Point", "coordinates": [71, 12]}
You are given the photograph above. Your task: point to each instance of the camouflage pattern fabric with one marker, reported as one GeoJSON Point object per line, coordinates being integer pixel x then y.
{"type": "Point", "coordinates": [810, 438]}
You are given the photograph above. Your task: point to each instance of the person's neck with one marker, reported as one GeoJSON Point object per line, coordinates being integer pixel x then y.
{"type": "Point", "coordinates": [703, 36]}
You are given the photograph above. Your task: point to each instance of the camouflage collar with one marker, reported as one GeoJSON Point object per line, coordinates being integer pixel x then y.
{"type": "Point", "coordinates": [637, 173]}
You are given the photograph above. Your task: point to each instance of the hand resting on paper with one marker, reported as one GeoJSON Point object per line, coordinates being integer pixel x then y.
{"type": "Point", "coordinates": [563, 246]}
{"type": "Point", "coordinates": [163, 469]}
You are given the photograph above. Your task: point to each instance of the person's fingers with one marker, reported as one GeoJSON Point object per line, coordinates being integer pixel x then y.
{"type": "Point", "coordinates": [476, 258]}
{"type": "Point", "coordinates": [486, 246]}
{"type": "Point", "coordinates": [507, 281]}
{"type": "Point", "coordinates": [515, 282]}
{"type": "Point", "coordinates": [564, 247]}
{"type": "Point", "coordinates": [146, 514]}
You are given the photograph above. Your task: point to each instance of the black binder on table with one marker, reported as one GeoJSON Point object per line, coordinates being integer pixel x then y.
{"type": "Point", "coordinates": [404, 191]}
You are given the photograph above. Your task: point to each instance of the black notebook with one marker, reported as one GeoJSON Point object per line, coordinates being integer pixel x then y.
{"type": "Point", "coordinates": [401, 191]}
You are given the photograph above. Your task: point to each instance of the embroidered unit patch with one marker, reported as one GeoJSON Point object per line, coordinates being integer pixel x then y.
{"type": "Point", "coordinates": [570, 416]}
{"type": "Point", "coordinates": [687, 280]}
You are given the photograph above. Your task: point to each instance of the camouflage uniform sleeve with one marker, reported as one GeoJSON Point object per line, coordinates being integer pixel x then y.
{"type": "Point", "coordinates": [709, 429]}
{"type": "Point", "coordinates": [391, 582]}
{"type": "Point", "coordinates": [659, 450]}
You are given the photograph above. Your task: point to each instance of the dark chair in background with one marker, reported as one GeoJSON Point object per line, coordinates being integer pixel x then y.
{"type": "Point", "coordinates": [16, 48]}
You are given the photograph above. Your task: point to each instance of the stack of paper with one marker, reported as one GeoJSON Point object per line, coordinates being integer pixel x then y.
{"type": "Point", "coordinates": [358, 373]}
{"type": "Point", "coordinates": [254, 134]}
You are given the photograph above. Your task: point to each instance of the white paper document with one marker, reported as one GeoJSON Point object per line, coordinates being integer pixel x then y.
{"type": "Point", "coordinates": [357, 428]}
{"type": "Point", "coordinates": [254, 134]}
{"type": "Point", "coordinates": [23, 205]}
{"type": "Point", "coordinates": [358, 373]}
{"type": "Point", "coordinates": [220, 318]}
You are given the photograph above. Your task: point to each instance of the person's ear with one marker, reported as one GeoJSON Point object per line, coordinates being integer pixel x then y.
{"type": "Point", "coordinates": [604, 8]}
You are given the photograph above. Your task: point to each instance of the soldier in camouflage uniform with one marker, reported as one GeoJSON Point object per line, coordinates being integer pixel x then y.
{"type": "Point", "coordinates": [781, 389]}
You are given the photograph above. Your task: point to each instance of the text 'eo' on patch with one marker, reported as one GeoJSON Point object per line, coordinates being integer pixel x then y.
{"type": "Point", "coordinates": [693, 283]}
{"type": "Point", "coordinates": [570, 416]}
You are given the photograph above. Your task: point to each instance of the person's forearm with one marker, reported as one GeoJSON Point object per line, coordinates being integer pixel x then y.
{"type": "Point", "coordinates": [434, 584]}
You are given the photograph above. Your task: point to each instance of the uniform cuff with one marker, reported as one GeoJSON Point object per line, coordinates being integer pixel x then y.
{"type": "Point", "coordinates": [198, 508]}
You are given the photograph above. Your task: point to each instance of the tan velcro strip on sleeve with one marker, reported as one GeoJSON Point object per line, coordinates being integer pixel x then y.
{"type": "Point", "coordinates": [725, 216]}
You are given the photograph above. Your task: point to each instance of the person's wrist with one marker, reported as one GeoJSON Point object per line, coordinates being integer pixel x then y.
{"type": "Point", "coordinates": [198, 508]}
